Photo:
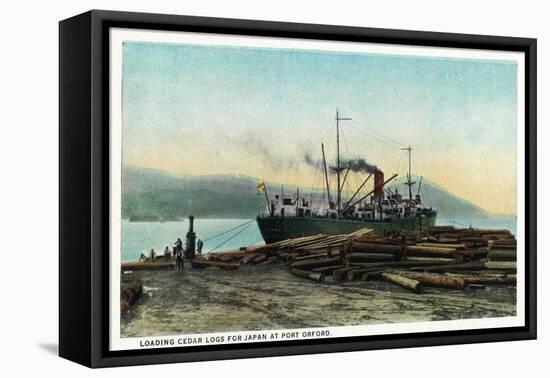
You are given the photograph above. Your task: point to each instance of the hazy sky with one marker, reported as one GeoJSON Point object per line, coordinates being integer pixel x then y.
{"type": "Point", "coordinates": [256, 111]}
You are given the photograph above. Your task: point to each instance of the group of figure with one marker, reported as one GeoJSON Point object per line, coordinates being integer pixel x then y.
{"type": "Point", "coordinates": [177, 253]}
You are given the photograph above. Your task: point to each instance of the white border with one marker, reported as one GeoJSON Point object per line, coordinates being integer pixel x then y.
{"type": "Point", "coordinates": [117, 36]}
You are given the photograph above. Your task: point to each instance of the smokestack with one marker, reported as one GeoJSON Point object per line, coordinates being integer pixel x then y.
{"type": "Point", "coordinates": [378, 184]}
{"type": "Point", "coordinates": [190, 244]}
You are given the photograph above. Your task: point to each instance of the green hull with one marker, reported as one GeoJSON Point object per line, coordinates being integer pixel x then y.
{"type": "Point", "coordinates": [275, 229]}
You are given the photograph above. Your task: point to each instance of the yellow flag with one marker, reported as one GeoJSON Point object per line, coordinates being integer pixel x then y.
{"type": "Point", "coordinates": [260, 186]}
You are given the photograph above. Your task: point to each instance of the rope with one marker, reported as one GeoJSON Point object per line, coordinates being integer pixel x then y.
{"type": "Point", "coordinates": [378, 136]}
{"type": "Point", "coordinates": [461, 224]}
{"type": "Point", "coordinates": [232, 237]}
{"type": "Point", "coordinates": [232, 229]}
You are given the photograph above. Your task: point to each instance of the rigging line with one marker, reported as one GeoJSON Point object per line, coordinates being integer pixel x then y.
{"type": "Point", "coordinates": [379, 134]}
{"type": "Point", "coordinates": [347, 150]}
{"type": "Point", "coordinates": [424, 197]}
{"type": "Point", "coordinates": [460, 224]}
{"type": "Point", "coordinates": [232, 237]}
{"type": "Point", "coordinates": [378, 139]}
{"type": "Point", "coordinates": [232, 229]}
{"type": "Point", "coordinates": [344, 140]}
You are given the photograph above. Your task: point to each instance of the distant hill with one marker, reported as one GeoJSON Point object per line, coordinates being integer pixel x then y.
{"type": "Point", "coordinates": [150, 192]}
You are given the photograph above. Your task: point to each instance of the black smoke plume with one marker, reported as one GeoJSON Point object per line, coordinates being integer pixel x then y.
{"type": "Point", "coordinates": [358, 165]}
{"type": "Point", "coordinates": [355, 165]}
{"type": "Point", "coordinates": [309, 160]}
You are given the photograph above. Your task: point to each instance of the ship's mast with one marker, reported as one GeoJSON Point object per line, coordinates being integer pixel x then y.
{"type": "Point", "coordinates": [338, 119]}
{"type": "Point", "coordinates": [326, 175]}
{"type": "Point", "coordinates": [409, 183]}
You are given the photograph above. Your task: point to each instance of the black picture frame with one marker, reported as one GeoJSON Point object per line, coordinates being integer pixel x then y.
{"type": "Point", "coordinates": [84, 193]}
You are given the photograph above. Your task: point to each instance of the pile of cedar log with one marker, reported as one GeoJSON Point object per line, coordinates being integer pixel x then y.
{"type": "Point", "coordinates": [442, 256]}
{"type": "Point", "coordinates": [130, 292]}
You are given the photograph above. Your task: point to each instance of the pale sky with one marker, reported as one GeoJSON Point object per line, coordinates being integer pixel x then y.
{"type": "Point", "coordinates": [191, 109]}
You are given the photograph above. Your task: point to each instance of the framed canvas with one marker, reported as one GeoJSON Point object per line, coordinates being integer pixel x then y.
{"type": "Point", "coordinates": [235, 188]}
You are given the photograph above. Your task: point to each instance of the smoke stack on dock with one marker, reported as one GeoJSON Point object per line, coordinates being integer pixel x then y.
{"type": "Point", "coordinates": [190, 240]}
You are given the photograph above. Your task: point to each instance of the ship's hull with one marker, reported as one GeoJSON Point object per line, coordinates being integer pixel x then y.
{"type": "Point", "coordinates": [275, 229]}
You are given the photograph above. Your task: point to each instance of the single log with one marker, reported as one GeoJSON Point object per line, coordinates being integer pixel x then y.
{"type": "Point", "coordinates": [443, 245]}
{"type": "Point", "coordinates": [502, 242]}
{"type": "Point", "coordinates": [130, 292]}
{"type": "Point", "coordinates": [502, 247]}
{"type": "Point", "coordinates": [473, 254]}
{"type": "Point", "coordinates": [270, 260]}
{"type": "Point", "coordinates": [482, 231]}
{"type": "Point", "coordinates": [436, 280]}
{"type": "Point", "coordinates": [476, 286]}
{"type": "Point", "coordinates": [328, 269]}
{"type": "Point", "coordinates": [489, 280]}
{"type": "Point", "coordinates": [260, 258]}
{"type": "Point", "coordinates": [341, 274]}
{"type": "Point", "coordinates": [228, 258]}
{"type": "Point", "coordinates": [447, 240]}
{"type": "Point", "coordinates": [288, 256]}
{"type": "Point", "coordinates": [431, 259]}
{"type": "Point", "coordinates": [319, 277]}
{"type": "Point", "coordinates": [415, 250]}
{"type": "Point", "coordinates": [305, 257]}
{"type": "Point", "coordinates": [376, 248]}
{"type": "Point", "coordinates": [473, 265]}
{"type": "Point", "coordinates": [373, 274]}
{"type": "Point", "coordinates": [356, 274]}
{"type": "Point", "coordinates": [247, 259]}
{"type": "Point", "coordinates": [203, 263]}
{"type": "Point", "coordinates": [370, 257]}
{"type": "Point", "coordinates": [502, 255]}
{"type": "Point", "coordinates": [441, 229]}
{"type": "Point", "coordinates": [141, 265]}
{"type": "Point", "coordinates": [399, 264]}
{"type": "Point", "coordinates": [506, 266]}
{"type": "Point", "coordinates": [315, 263]}
{"type": "Point", "coordinates": [405, 282]}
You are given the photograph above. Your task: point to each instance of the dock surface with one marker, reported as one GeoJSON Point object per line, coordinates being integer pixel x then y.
{"type": "Point", "coordinates": [269, 297]}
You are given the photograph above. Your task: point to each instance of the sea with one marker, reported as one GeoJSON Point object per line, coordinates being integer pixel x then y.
{"type": "Point", "coordinates": [223, 234]}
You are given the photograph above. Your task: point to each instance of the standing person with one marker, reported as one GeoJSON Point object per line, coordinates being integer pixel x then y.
{"type": "Point", "coordinates": [179, 260]}
{"type": "Point", "coordinates": [199, 246]}
{"type": "Point", "coordinates": [179, 245]}
{"type": "Point", "coordinates": [166, 252]}
{"type": "Point", "coordinates": [152, 254]}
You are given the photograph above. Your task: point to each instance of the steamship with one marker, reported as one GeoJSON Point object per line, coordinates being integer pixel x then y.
{"type": "Point", "coordinates": [381, 209]}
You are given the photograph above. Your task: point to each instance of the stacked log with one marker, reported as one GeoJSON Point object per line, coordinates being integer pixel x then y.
{"type": "Point", "coordinates": [442, 257]}
{"type": "Point", "coordinates": [313, 263]}
{"type": "Point", "coordinates": [130, 292]}
{"type": "Point", "coordinates": [370, 257]}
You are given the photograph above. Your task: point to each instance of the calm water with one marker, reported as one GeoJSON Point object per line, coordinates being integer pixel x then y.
{"type": "Point", "coordinates": [140, 237]}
